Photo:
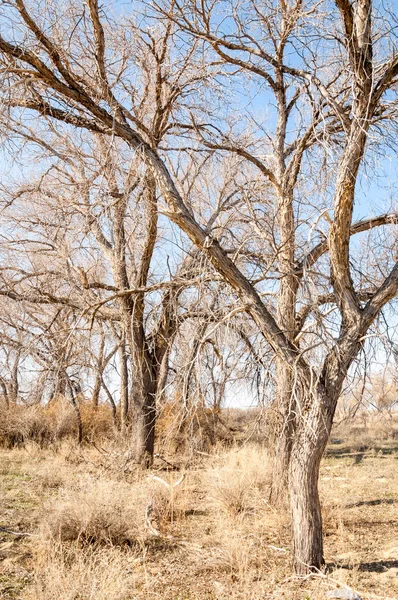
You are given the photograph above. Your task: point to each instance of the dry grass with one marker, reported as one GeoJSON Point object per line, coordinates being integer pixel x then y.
{"type": "Point", "coordinates": [219, 538]}
{"type": "Point", "coordinates": [76, 574]}
{"type": "Point", "coordinates": [94, 512]}
{"type": "Point", "coordinates": [238, 479]}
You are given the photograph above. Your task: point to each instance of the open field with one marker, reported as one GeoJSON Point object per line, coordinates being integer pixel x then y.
{"type": "Point", "coordinates": [102, 530]}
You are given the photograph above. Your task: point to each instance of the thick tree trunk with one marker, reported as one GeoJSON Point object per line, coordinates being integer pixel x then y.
{"type": "Point", "coordinates": [143, 421]}
{"type": "Point", "coordinates": [143, 429]}
{"type": "Point", "coordinates": [305, 507]}
{"type": "Point", "coordinates": [311, 436]}
{"type": "Point", "coordinates": [284, 405]}
{"type": "Point", "coordinates": [283, 426]}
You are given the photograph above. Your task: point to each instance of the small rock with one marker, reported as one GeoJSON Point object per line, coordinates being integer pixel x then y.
{"type": "Point", "coordinates": [343, 593]}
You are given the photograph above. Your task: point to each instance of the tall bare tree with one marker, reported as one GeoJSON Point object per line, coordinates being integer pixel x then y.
{"type": "Point", "coordinates": [50, 72]}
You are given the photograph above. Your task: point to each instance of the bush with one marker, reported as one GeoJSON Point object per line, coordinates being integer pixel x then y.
{"type": "Point", "coordinates": [19, 424]}
{"type": "Point", "coordinates": [238, 479]}
{"type": "Point", "coordinates": [52, 422]}
{"type": "Point", "coordinates": [96, 512]}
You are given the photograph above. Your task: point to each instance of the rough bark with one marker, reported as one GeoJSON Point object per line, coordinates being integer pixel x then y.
{"type": "Point", "coordinates": [143, 428]}
{"type": "Point", "coordinates": [124, 387]}
{"type": "Point", "coordinates": [307, 450]}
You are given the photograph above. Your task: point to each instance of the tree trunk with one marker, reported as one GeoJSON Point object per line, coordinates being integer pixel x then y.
{"type": "Point", "coordinates": [124, 388]}
{"type": "Point", "coordinates": [76, 408]}
{"type": "Point", "coordinates": [3, 386]}
{"type": "Point", "coordinates": [96, 389]}
{"type": "Point", "coordinates": [311, 436]}
{"type": "Point", "coordinates": [98, 374]}
{"type": "Point", "coordinates": [144, 392]}
{"type": "Point", "coordinates": [143, 429]}
{"type": "Point", "coordinates": [280, 464]}
{"type": "Point", "coordinates": [111, 402]}
{"type": "Point", "coordinates": [14, 384]}
{"type": "Point", "coordinates": [286, 318]}
{"type": "Point", "coordinates": [283, 431]}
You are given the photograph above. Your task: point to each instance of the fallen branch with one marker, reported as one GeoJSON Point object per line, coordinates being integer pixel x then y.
{"type": "Point", "coordinates": [165, 483]}
{"type": "Point", "coordinates": [18, 533]}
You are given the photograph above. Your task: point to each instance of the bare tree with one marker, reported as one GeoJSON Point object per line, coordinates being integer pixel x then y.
{"type": "Point", "coordinates": [48, 72]}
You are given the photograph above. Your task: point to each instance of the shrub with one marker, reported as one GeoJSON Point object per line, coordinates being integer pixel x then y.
{"type": "Point", "coordinates": [239, 478]}
{"type": "Point", "coordinates": [96, 512]}
{"type": "Point", "coordinates": [53, 422]}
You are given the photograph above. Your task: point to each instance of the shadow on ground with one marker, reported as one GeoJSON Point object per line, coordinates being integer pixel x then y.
{"type": "Point", "coordinates": [378, 502]}
{"type": "Point", "coordinates": [370, 567]}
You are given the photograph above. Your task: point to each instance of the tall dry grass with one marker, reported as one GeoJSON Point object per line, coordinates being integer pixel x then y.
{"type": "Point", "coordinates": [73, 573]}
{"type": "Point", "coordinates": [239, 479]}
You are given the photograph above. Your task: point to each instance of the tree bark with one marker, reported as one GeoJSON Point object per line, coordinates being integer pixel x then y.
{"type": "Point", "coordinates": [124, 388]}
{"type": "Point", "coordinates": [96, 389]}
{"type": "Point", "coordinates": [111, 402]}
{"type": "Point", "coordinates": [144, 411]}
{"type": "Point", "coordinates": [143, 430]}
{"type": "Point", "coordinates": [312, 433]}
{"type": "Point", "coordinates": [98, 374]}
{"type": "Point", "coordinates": [3, 386]}
{"type": "Point", "coordinates": [282, 438]}
{"type": "Point", "coordinates": [284, 425]}
{"type": "Point", "coordinates": [76, 408]}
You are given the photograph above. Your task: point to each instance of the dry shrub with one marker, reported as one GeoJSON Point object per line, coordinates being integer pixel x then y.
{"type": "Point", "coordinates": [332, 515]}
{"type": "Point", "coordinates": [239, 479]}
{"type": "Point", "coordinates": [20, 423]}
{"type": "Point", "coordinates": [97, 421]}
{"type": "Point", "coordinates": [367, 430]}
{"type": "Point", "coordinates": [53, 422]}
{"type": "Point", "coordinates": [52, 473]}
{"type": "Point", "coordinates": [200, 430]}
{"type": "Point", "coordinates": [62, 418]}
{"type": "Point", "coordinates": [96, 512]}
{"type": "Point", "coordinates": [76, 574]}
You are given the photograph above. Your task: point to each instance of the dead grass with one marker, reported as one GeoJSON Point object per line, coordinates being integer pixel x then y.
{"type": "Point", "coordinates": [219, 538]}
{"type": "Point", "coordinates": [239, 479]}
{"type": "Point", "coordinates": [83, 574]}
{"type": "Point", "coordinates": [94, 512]}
